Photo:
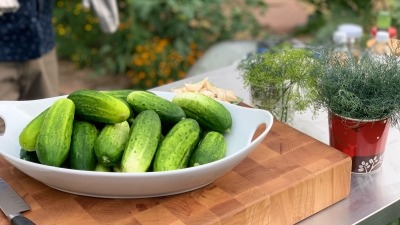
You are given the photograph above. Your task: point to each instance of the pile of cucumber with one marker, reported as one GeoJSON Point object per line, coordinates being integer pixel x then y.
{"type": "Point", "coordinates": [127, 131]}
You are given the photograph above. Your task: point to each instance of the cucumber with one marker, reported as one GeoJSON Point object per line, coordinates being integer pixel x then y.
{"type": "Point", "coordinates": [28, 156]}
{"type": "Point", "coordinates": [175, 150]}
{"type": "Point", "coordinates": [208, 112]}
{"type": "Point", "coordinates": [143, 142]}
{"type": "Point", "coordinates": [117, 168]}
{"type": "Point", "coordinates": [81, 153]}
{"type": "Point", "coordinates": [110, 143]}
{"type": "Point", "coordinates": [54, 138]}
{"type": "Point", "coordinates": [169, 112]}
{"type": "Point", "coordinates": [96, 106]}
{"type": "Point", "coordinates": [131, 117]}
{"type": "Point", "coordinates": [211, 148]}
{"type": "Point", "coordinates": [120, 93]}
{"type": "Point", "coordinates": [28, 136]}
{"type": "Point", "coordinates": [101, 168]}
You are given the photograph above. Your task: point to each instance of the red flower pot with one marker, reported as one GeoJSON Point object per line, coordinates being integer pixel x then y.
{"type": "Point", "coordinates": [364, 141]}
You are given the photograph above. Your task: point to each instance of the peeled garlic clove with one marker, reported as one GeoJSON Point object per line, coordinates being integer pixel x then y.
{"type": "Point", "coordinates": [230, 96]}
{"type": "Point", "coordinates": [210, 87]}
{"type": "Point", "coordinates": [180, 90]}
{"type": "Point", "coordinates": [221, 94]}
{"type": "Point", "coordinates": [196, 86]}
{"type": "Point", "coordinates": [207, 93]}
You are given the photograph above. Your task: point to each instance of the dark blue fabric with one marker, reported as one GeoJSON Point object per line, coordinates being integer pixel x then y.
{"type": "Point", "coordinates": [27, 33]}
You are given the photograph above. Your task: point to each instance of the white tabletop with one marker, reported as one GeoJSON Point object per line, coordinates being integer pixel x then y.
{"type": "Point", "coordinates": [374, 198]}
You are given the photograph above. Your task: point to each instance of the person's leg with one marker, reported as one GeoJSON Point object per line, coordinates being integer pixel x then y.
{"type": "Point", "coordinates": [29, 80]}
{"type": "Point", "coordinates": [42, 76]}
{"type": "Point", "coordinates": [9, 84]}
{"type": "Point", "coordinates": [9, 81]}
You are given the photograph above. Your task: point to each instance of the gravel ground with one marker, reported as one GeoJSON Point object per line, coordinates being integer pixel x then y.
{"type": "Point", "coordinates": [73, 78]}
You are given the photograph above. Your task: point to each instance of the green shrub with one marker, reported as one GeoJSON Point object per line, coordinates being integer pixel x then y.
{"type": "Point", "coordinates": [328, 14]}
{"type": "Point", "coordinates": [157, 40]}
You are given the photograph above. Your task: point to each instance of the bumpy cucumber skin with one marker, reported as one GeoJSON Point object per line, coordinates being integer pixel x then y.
{"type": "Point", "coordinates": [143, 142]}
{"type": "Point", "coordinates": [81, 153]}
{"type": "Point", "coordinates": [54, 138]}
{"type": "Point", "coordinates": [211, 148]}
{"type": "Point", "coordinates": [210, 114]}
{"type": "Point", "coordinates": [96, 106]}
{"type": "Point", "coordinates": [28, 136]}
{"type": "Point", "coordinates": [175, 150]}
{"type": "Point", "coordinates": [111, 142]}
{"type": "Point", "coordinates": [169, 112]}
{"type": "Point", "coordinates": [121, 93]}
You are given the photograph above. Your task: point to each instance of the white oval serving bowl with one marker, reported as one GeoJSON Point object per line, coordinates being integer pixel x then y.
{"type": "Point", "coordinates": [17, 115]}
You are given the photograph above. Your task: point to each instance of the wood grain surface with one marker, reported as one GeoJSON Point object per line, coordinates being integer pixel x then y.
{"type": "Point", "coordinates": [287, 178]}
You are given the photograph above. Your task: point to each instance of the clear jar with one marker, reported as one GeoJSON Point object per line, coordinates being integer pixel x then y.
{"type": "Point", "coordinates": [354, 34]}
{"type": "Point", "coordinates": [341, 49]}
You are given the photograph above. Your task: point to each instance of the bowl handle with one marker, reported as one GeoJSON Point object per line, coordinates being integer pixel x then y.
{"type": "Point", "coordinates": [6, 112]}
{"type": "Point", "coordinates": [257, 118]}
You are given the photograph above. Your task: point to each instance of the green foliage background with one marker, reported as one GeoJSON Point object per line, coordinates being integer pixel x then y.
{"type": "Point", "coordinates": [157, 40]}
{"type": "Point", "coordinates": [328, 14]}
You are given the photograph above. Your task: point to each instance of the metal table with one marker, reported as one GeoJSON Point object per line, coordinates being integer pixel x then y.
{"type": "Point", "coordinates": [374, 198]}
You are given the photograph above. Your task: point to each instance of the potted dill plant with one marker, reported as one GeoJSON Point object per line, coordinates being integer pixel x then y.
{"type": "Point", "coordinates": [363, 100]}
{"type": "Point", "coordinates": [277, 80]}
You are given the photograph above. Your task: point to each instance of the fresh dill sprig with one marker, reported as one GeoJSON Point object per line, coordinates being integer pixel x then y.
{"type": "Point", "coordinates": [279, 79]}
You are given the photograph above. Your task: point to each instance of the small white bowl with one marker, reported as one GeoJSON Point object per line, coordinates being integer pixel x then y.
{"type": "Point", "coordinates": [17, 114]}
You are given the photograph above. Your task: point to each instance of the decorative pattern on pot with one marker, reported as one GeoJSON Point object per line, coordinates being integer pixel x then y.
{"type": "Point", "coordinates": [364, 141]}
{"type": "Point", "coordinates": [367, 164]}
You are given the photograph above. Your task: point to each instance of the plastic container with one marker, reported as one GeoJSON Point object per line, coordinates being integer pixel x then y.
{"type": "Point", "coordinates": [341, 45]}
{"type": "Point", "coordinates": [354, 34]}
{"type": "Point", "coordinates": [381, 46]}
{"type": "Point", "coordinates": [384, 21]}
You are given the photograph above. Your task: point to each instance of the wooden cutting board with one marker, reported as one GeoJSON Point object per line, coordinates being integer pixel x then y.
{"type": "Point", "coordinates": [287, 178]}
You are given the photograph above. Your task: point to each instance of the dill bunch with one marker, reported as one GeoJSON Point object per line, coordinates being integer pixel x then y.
{"type": "Point", "coordinates": [365, 90]}
{"type": "Point", "coordinates": [278, 79]}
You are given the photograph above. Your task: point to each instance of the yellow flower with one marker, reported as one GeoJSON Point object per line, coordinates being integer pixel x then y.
{"type": "Point", "coordinates": [190, 59]}
{"type": "Point", "coordinates": [60, 30]}
{"type": "Point", "coordinates": [181, 74]}
{"type": "Point", "coordinates": [149, 83]}
{"type": "Point", "coordinates": [139, 48]}
{"type": "Point", "coordinates": [60, 4]}
{"type": "Point", "coordinates": [166, 71]}
{"type": "Point", "coordinates": [75, 57]}
{"type": "Point", "coordinates": [192, 45]}
{"type": "Point", "coordinates": [160, 82]}
{"type": "Point", "coordinates": [141, 75]}
{"type": "Point", "coordinates": [130, 73]}
{"type": "Point", "coordinates": [78, 6]}
{"type": "Point", "coordinates": [88, 27]}
{"type": "Point", "coordinates": [145, 55]}
{"type": "Point", "coordinates": [135, 80]}
{"type": "Point", "coordinates": [137, 61]}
